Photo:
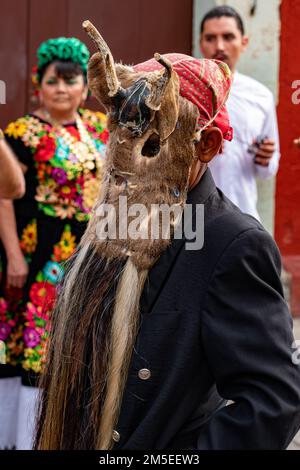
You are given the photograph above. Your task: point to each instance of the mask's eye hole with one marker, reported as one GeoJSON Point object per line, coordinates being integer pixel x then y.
{"type": "Point", "coordinates": [151, 146]}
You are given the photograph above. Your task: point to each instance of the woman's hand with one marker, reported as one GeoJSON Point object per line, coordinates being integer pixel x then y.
{"type": "Point", "coordinates": [17, 270]}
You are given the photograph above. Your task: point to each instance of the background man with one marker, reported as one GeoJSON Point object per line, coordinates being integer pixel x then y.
{"type": "Point", "coordinates": [251, 110]}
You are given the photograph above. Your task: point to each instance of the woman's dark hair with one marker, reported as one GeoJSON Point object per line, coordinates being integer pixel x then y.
{"type": "Point", "coordinates": [65, 69]}
{"type": "Point", "coordinates": [218, 12]}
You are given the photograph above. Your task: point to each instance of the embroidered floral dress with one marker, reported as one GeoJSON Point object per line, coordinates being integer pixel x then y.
{"type": "Point", "coordinates": [62, 181]}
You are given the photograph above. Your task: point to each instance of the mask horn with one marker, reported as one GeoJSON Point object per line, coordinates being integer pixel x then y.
{"type": "Point", "coordinates": [161, 84]}
{"type": "Point", "coordinates": [112, 82]}
{"type": "Point", "coordinates": [164, 98]}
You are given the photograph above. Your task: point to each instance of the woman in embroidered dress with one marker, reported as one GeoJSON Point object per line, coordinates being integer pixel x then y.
{"type": "Point", "coordinates": [61, 149]}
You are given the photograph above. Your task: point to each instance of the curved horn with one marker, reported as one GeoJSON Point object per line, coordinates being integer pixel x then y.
{"type": "Point", "coordinates": [161, 84]}
{"type": "Point", "coordinates": [110, 71]}
{"type": "Point", "coordinates": [165, 98]}
{"type": "Point", "coordinates": [165, 62]}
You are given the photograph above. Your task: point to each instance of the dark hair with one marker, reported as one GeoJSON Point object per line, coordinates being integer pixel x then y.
{"type": "Point", "coordinates": [65, 69]}
{"type": "Point", "coordinates": [218, 12]}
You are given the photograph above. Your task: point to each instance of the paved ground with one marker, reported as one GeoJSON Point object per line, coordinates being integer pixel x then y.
{"type": "Point", "coordinates": [295, 445]}
{"type": "Point", "coordinates": [297, 328]}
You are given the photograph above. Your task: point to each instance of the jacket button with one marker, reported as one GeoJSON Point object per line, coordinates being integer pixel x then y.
{"type": "Point", "coordinates": [115, 436]}
{"type": "Point", "coordinates": [144, 374]}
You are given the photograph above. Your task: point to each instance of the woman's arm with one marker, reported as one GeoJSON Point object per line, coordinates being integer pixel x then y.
{"type": "Point", "coordinates": [17, 268]}
{"type": "Point", "coordinates": [12, 184]}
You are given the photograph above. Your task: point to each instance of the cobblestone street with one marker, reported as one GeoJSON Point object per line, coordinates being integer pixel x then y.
{"type": "Point", "coordinates": [297, 328]}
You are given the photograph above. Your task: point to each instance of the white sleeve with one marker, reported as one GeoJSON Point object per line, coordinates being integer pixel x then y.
{"type": "Point", "coordinates": [270, 129]}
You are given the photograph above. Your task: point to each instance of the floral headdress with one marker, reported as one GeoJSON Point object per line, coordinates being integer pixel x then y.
{"type": "Point", "coordinates": [60, 49]}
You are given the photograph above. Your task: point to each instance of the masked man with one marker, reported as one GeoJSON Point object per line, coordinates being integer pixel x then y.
{"type": "Point", "coordinates": [151, 334]}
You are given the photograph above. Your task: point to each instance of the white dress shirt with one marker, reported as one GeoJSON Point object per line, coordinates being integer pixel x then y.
{"type": "Point", "coordinates": [252, 113]}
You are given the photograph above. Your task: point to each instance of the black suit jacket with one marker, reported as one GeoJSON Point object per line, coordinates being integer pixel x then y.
{"type": "Point", "coordinates": [214, 327]}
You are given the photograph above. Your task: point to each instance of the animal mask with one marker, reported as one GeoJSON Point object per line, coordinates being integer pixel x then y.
{"type": "Point", "coordinates": [152, 135]}
{"type": "Point", "coordinates": [156, 112]}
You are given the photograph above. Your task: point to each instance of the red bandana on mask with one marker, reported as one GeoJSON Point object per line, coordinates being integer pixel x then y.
{"type": "Point", "coordinates": [206, 83]}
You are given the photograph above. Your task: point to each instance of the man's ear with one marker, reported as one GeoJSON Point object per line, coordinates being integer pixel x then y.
{"type": "Point", "coordinates": [245, 42]}
{"type": "Point", "coordinates": [209, 145]}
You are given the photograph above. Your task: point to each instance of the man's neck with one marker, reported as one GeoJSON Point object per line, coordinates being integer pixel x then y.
{"type": "Point", "coordinates": [198, 177]}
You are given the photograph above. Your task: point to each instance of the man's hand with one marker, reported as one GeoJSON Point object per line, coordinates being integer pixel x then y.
{"type": "Point", "coordinates": [265, 152]}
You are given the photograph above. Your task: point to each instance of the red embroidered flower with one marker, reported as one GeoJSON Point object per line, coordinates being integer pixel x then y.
{"type": "Point", "coordinates": [68, 192]}
{"type": "Point", "coordinates": [46, 149]}
{"type": "Point", "coordinates": [73, 131]}
{"type": "Point", "coordinates": [3, 305]}
{"type": "Point", "coordinates": [104, 136]}
{"type": "Point", "coordinates": [43, 294]}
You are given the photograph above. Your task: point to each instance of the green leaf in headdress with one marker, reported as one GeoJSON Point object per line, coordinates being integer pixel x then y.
{"type": "Point", "coordinates": [63, 49]}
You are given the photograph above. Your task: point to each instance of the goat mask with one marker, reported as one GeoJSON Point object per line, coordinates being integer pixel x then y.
{"type": "Point", "coordinates": [155, 111]}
